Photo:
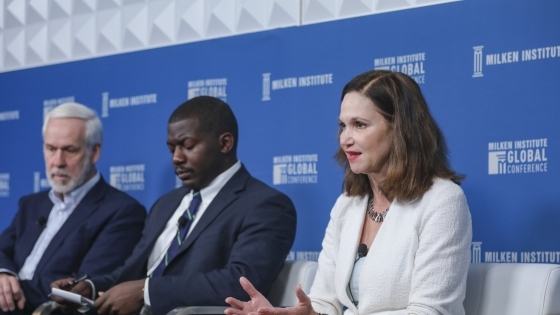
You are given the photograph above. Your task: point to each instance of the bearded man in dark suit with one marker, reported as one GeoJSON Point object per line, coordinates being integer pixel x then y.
{"type": "Point", "coordinates": [81, 226]}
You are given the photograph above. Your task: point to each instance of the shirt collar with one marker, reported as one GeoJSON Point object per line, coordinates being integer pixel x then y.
{"type": "Point", "coordinates": [209, 192]}
{"type": "Point", "coordinates": [75, 196]}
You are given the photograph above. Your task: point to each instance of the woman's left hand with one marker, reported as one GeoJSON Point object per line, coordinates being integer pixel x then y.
{"type": "Point", "coordinates": [252, 306]}
{"type": "Point", "coordinates": [259, 305]}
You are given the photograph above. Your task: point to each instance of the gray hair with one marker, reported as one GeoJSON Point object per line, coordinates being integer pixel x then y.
{"type": "Point", "coordinates": [94, 129]}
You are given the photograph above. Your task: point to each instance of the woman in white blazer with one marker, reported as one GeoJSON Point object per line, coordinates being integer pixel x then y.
{"type": "Point", "coordinates": [398, 241]}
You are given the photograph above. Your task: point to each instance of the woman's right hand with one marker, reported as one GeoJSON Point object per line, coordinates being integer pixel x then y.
{"type": "Point", "coordinates": [259, 305]}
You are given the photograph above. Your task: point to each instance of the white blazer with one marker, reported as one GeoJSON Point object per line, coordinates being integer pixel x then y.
{"type": "Point", "coordinates": [417, 263]}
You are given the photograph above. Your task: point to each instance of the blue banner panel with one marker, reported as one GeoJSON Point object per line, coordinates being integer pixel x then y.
{"type": "Point", "coordinates": [491, 81]}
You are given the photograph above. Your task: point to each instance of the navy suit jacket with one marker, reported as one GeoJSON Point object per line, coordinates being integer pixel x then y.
{"type": "Point", "coordinates": [247, 230]}
{"type": "Point", "coordinates": [97, 238]}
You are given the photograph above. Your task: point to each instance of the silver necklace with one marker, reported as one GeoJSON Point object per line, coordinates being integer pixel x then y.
{"type": "Point", "coordinates": [377, 217]}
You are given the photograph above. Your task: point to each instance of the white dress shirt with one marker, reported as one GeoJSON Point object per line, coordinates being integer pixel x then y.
{"type": "Point", "coordinates": [207, 194]}
{"type": "Point", "coordinates": [60, 211]}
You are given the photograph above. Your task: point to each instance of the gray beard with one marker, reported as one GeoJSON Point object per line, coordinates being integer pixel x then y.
{"type": "Point", "coordinates": [73, 183]}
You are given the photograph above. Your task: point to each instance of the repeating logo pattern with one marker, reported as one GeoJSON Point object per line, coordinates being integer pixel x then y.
{"type": "Point", "coordinates": [127, 177]}
{"type": "Point", "coordinates": [4, 185]}
{"type": "Point", "coordinates": [50, 104]}
{"type": "Point", "coordinates": [476, 252]}
{"type": "Point", "coordinates": [508, 57]}
{"type": "Point", "coordinates": [410, 64]}
{"type": "Point", "coordinates": [295, 169]}
{"type": "Point", "coordinates": [548, 257]}
{"type": "Point", "coordinates": [478, 61]}
{"type": "Point", "coordinates": [303, 255]}
{"type": "Point", "coordinates": [127, 101]}
{"type": "Point", "coordinates": [518, 157]}
{"type": "Point", "coordinates": [271, 84]}
{"type": "Point", "coordinates": [39, 183]}
{"type": "Point", "coordinates": [209, 87]}
{"type": "Point", "coordinates": [266, 87]}
{"type": "Point", "coordinates": [9, 115]}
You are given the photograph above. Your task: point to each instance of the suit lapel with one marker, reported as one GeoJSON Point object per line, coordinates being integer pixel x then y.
{"type": "Point", "coordinates": [226, 196]}
{"type": "Point", "coordinates": [33, 231]}
{"type": "Point", "coordinates": [157, 220]}
{"type": "Point", "coordinates": [83, 210]}
{"type": "Point", "coordinates": [160, 219]}
{"type": "Point", "coordinates": [349, 239]}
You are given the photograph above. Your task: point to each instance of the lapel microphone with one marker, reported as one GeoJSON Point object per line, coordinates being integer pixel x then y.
{"type": "Point", "coordinates": [182, 221]}
{"type": "Point", "coordinates": [42, 222]}
{"type": "Point", "coordinates": [362, 250]}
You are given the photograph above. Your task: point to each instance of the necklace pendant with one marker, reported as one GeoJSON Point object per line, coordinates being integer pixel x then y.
{"type": "Point", "coordinates": [376, 217]}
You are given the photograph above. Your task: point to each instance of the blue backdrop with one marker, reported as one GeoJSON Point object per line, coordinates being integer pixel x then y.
{"type": "Point", "coordinates": [489, 70]}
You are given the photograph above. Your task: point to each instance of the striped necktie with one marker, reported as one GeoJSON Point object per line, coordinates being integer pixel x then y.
{"type": "Point", "coordinates": [183, 226]}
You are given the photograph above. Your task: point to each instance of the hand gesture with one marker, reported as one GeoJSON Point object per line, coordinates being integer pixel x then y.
{"type": "Point", "coordinates": [11, 294]}
{"type": "Point", "coordinates": [259, 305]}
{"type": "Point", "coordinates": [243, 308]}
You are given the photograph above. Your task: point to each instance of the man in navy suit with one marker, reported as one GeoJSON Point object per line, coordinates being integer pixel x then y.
{"type": "Point", "coordinates": [241, 227]}
{"type": "Point", "coordinates": [81, 226]}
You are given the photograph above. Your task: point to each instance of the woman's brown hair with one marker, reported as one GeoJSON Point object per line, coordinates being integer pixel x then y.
{"type": "Point", "coordinates": [418, 153]}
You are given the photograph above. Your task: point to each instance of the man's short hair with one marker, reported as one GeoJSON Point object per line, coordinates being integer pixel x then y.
{"type": "Point", "coordinates": [214, 116]}
{"type": "Point", "coordinates": [94, 129]}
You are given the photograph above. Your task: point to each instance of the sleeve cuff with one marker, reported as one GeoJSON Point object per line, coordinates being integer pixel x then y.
{"type": "Point", "coordinates": [93, 291]}
{"type": "Point", "coordinates": [3, 270]}
{"type": "Point", "coordinates": [147, 292]}
{"type": "Point", "coordinates": [84, 309]}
